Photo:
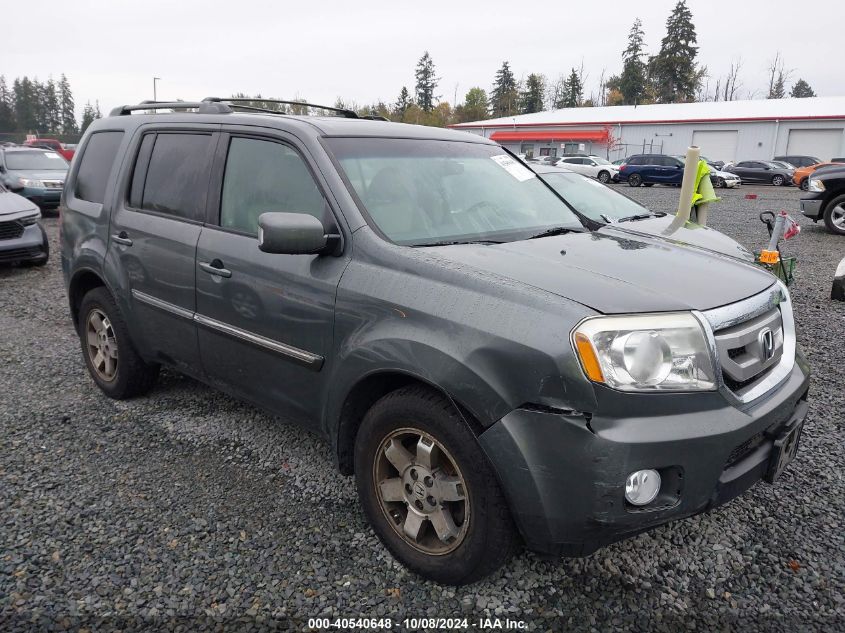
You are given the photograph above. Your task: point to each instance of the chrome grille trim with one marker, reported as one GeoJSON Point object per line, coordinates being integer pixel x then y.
{"type": "Point", "coordinates": [724, 317]}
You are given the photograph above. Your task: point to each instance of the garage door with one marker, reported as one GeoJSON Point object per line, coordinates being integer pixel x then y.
{"type": "Point", "coordinates": [824, 144]}
{"type": "Point", "coordinates": [716, 144]}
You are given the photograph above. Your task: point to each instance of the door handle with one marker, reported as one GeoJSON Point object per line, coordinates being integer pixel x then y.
{"type": "Point", "coordinates": [215, 267]}
{"type": "Point", "coordinates": [122, 238]}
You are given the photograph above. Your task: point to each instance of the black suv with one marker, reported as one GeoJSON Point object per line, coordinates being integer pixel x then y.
{"type": "Point", "coordinates": [826, 199]}
{"type": "Point", "coordinates": [798, 160]}
{"type": "Point", "coordinates": [493, 365]}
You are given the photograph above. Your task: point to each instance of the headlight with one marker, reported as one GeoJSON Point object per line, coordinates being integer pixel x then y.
{"type": "Point", "coordinates": [815, 185]}
{"type": "Point", "coordinates": [31, 182]}
{"type": "Point", "coordinates": [31, 219]}
{"type": "Point", "coordinates": [653, 352]}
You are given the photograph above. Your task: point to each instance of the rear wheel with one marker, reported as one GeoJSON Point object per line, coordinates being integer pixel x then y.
{"type": "Point", "coordinates": [428, 491]}
{"type": "Point", "coordinates": [834, 216]}
{"type": "Point", "coordinates": [635, 180]}
{"type": "Point", "coordinates": [108, 352]}
{"type": "Point", "coordinates": [777, 181]}
{"type": "Point", "coordinates": [604, 177]}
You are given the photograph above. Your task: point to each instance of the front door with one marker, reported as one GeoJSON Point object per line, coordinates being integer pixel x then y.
{"type": "Point", "coordinates": [153, 237]}
{"type": "Point", "coordinates": [265, 321]}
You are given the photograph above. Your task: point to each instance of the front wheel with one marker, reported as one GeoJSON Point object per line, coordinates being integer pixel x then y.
{"type": "Point", "coordinates": [834, 216]}
{"type": "Point", "coordinates": [777, 181]}
{"type": "Point", "coordinates": [805, 184]}
{"type": "Point", "coordinates": [635, 180]}
{"type": "Point", "coordinates": [720, 183]}
{"type": "Point", "coordinates": [428, 491]}
{"type": "Point", "coordinates": [604, 177]}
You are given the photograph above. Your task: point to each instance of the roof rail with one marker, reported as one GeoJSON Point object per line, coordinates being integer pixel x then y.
{"type": "Point", "coordinates": [202, 107]}
{"type": "Point", "coordinates": [234, 101]}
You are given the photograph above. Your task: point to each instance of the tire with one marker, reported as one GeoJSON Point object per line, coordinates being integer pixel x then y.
{"type": "Point", "coordinates": [483, 534]}
{"type": "Point", "coordinates": [129, 375]}
{"type": "Point", "coordinates": [777, 181]}
{"type": "Point", "coordinates": [604, 177]}
{"type": "Point", "coordinates": [635, 180]}
{"type": "Point", "coordinates": [720, 183]}
{"type": "Point", "coordinates": [805, 184]}
{"type": "Point", "coordinates": [834, 216]}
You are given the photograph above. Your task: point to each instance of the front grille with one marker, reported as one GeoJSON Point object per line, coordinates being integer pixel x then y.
{"type": "Point", "coordinates": [11, 230]}
{"type": "Point", "coordinates": [749, 350]}
{"type": "Point", "coordinates": [20, 254]}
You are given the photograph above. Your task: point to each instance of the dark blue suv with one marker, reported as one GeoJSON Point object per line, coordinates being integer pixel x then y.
{"type": "Point", "coordinates": [651, 169]}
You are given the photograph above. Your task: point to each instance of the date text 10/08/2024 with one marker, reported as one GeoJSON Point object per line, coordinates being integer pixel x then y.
{"type": "Point", "coordinates": [483, 624]}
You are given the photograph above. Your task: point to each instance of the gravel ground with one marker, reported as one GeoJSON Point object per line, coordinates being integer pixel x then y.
{"type": "Point", "coordinates": [186, 509]}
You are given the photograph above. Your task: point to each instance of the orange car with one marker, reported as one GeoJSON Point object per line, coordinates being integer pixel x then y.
{"type": "Point", "coordinates": [801, 177]}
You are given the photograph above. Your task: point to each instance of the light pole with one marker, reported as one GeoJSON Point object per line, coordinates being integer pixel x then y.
{"type": "Point", "coordinates": [155, 79]}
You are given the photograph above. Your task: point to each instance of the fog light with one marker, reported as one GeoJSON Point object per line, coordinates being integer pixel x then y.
{"type": "Point", "coordinates": [642, 487]}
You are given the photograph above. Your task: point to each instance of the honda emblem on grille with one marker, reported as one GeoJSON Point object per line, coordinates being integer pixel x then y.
{"type": "Point", "coordinates": [767, 343]}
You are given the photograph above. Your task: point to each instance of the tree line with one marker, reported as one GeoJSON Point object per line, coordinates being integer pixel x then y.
{"type": "Point", "coordinates": [672, 75]}
{"type": "Point", "coordinates": [31, 106]}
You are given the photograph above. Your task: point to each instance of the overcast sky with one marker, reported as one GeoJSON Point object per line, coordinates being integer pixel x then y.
{"type": "Point", "coordinates": [365, 51]}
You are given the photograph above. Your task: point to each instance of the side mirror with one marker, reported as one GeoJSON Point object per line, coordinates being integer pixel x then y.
{"type": "Point", "coordinates": [291, 234]}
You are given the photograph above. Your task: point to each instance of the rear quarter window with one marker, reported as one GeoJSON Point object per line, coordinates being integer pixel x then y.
{"type": "Point", "coordinates": [96, 166]}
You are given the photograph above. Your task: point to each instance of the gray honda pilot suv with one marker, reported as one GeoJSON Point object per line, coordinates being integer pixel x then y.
{"type": "Point", "coordinates": [497, 361]}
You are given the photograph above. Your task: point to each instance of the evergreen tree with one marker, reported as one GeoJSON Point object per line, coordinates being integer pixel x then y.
{"type": "Point", "coordinates": [7, 107]}
{"type": "Point", "coordinates": [426, 83]}
{"type": "Point", "coordinates": [532, 97]}
{"type": "Point", "coordinates": [402, 103]}
{"type": "Point", "coordinates": [67, 113]}
{"type": "Point", "coordinates": [504, 98]}
{"type": "Point", "coordinates": [633, 81]}
{"type": "Point", "coordinates": [675, 74]}
{"type": "Point", "coordinates": [88, 117]}
{"type": "Point", "coordinates": [26, 106]}
{"type": "Point", "coordinates": [474, 107]}
{"type": "Point", "coordinates": [52, 107]}
{"type": "Point", "coordinates": [572, 94]}
{"type": "Point", "coordinates": [778, 89]}
{"type": "Point", "coordinates": [801, 90]}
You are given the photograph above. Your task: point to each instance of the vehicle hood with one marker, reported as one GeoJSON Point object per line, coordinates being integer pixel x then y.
{"type": "Point", "coordinates": [11, 203]}
{"type": "Point", "coordinates": [723, 174]}
{"type": "Point", "coordinates": [615, 271]}
{"type": "Point", "coordinates": [48, 174]}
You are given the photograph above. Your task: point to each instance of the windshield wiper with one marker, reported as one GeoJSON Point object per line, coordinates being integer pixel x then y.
{"type": "Point", "coordinates": [641, 216]}
{"type": "Point", "coordinates": [453, 242]}
{"type": "Point", "coordinates": [558, 230]}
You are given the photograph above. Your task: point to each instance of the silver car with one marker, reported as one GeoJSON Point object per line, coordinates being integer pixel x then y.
{"type": "Point", "coordinates": [22, 238]}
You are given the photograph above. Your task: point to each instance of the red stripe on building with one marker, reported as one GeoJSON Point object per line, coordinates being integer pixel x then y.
{"type": "Point", "coordinates": [596, 136]}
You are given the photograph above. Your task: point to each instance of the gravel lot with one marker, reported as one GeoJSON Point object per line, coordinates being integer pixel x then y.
{"type": "Point", "coordinates": [186, 509]}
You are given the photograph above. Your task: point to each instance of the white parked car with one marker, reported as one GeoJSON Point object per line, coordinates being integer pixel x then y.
{"type": "Point", "coordinates": [593, 166]}
{"type": "Point", "coordinates": [723, 179]}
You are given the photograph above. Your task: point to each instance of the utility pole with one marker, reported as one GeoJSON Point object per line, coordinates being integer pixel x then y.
{"type": "Point", "coordinates": [155, 79]}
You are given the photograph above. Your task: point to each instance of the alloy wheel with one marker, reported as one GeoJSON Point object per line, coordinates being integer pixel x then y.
{"type": "Point", "coordinates": [101, 344]}
{"type": "Point", "coordinates": [777, 181]}
{"type": "Point", "coordinates": [422, 491]}
{"type": "Point", "coordinates": [837, 216]}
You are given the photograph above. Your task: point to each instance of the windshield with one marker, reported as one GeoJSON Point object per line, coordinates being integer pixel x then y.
{"type": "Point", "coordinates": [34, 161]}
{"type": "Point", "coordinates": [422, 192]}
{"type": "Point", "coordinates": [593, 199]}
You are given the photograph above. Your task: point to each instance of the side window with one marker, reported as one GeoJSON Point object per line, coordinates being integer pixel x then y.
{"type": "Point", "coordinates": [264, 176]}
{"type": "Point", "coordinates": [636, 160]}
{"type": "Point", "coordinates": [139, 175]}
{"type": "Point", "coordinates": [177, 177]}
{"type": "Point", "coordinates": [96, 166]}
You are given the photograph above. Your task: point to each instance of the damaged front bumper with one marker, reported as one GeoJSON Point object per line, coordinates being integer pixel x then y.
{"type": "Point", "coordinates": [564, 474]}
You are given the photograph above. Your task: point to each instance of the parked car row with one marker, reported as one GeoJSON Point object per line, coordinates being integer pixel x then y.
{"type": "Point", "coordinates": [663, 169]}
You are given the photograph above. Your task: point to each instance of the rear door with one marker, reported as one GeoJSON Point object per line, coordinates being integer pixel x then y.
{"type": "Point", "coordinates": [265, 321]}
{"type": "Point", "coordinates": [153, 238]}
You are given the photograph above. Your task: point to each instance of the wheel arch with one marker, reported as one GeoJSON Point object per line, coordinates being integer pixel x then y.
{"type": "Point", "coordinates": [81, 283]}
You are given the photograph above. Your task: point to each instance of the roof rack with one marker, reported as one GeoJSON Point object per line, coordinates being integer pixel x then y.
{"type": "Point", "coordinates": [234, 101]}
{"type": "Point", "coordinates": [202, 107]}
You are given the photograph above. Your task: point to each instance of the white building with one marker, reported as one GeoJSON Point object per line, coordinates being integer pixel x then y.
{"type": "Point", "coordinates": [724, 130]}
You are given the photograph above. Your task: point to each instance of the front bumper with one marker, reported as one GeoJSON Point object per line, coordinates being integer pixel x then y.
{"type": "Point", "coordinates": [42, 196]}
{"type": "Point", "coordinates": [812, 208]}
{"type": "Point", "coordinates": [564, 475]}
{"type": "Point", "coordinates": [29, 247]}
